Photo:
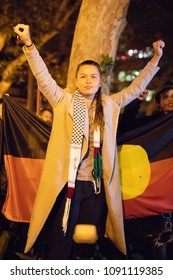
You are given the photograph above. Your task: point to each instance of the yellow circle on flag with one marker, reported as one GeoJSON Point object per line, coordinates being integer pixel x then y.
{"type": "Point", "coordinates": [134, 169]}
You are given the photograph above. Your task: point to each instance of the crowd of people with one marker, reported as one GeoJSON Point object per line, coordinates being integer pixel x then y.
{"type": "Point", "coordinates": [80, 183]}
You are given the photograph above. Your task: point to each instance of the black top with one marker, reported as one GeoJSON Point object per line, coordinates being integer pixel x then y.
{"type": "Point", "coordinates": [129, 119]}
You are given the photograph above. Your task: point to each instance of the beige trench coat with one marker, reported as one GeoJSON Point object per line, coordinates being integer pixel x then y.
{"type": "Point", "coordinates": [55, 170]}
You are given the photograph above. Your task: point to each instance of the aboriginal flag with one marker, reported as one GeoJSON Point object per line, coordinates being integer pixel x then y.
{"type": "Point", "coordinates": [146, 168]}
{"type": "Point", "coordinates": [25, 138]}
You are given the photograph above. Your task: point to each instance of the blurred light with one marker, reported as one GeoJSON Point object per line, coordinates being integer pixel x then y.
{"type": "Point", "coordinates": [147, 52]}
{"type": "Point", "coordinates": [130, 52]}
{"type": "Point", "coordinates": [129, 78]}
{"type": "Point", "coordinates": [136, 73]}
{"type": "Point", "coordinates": [121, 76]}
{"type": "Point", "coordinates": [149, 95]}
{"type": "Point", "coordinates": [140, 54]}
{"type": "Point", "coordinates": [123, 57]}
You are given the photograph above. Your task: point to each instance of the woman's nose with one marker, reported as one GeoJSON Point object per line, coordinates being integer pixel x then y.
{"type": "Point", "coordinates": [88, 80]}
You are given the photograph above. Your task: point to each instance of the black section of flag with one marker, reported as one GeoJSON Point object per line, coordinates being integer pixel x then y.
{"type": "Point", "coordinates": [25, 134]}
{"type": "Point", "coordinates": [155, 137]}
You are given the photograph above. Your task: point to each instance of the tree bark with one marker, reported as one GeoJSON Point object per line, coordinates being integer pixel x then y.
{"type": "Point", "coordinates": [98, 28]}
{"type": "Point", "coordinates": [30, 89]}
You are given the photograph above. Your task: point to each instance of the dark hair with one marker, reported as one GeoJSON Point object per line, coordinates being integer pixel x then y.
{"type": "Point", "coordinates": [98, 121]}
{"type": "Point", "coordinates": [167, 86]}
{"type": "Point", "coordinates": [89, 62]}
{"type": "Point", "coordinates": [46, 109]}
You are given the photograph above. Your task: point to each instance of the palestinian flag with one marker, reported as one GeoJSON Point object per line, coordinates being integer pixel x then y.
{"type": "Point", "coordinates": [146, 168]}
{"type": "Point", "coordinates": [25, 138]}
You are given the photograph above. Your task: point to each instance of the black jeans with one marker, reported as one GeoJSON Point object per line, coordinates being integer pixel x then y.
{"type": "Point", "coordinates": [86, 208]}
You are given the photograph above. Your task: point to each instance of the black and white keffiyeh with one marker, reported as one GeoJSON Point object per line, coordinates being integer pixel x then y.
{"type": "Point", "coordinates": [75, 154]}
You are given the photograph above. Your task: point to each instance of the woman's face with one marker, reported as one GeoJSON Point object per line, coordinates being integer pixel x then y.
{"type": "Point", "coordinates": [88, 80]}
{"type": "Point", "coordinates": [47, 116]}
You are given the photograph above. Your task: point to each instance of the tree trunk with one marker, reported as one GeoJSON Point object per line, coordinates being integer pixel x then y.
{"type": "Point", "coordinates": [99, 26]}
{"type": "Point", "coordinates": [30, 92]}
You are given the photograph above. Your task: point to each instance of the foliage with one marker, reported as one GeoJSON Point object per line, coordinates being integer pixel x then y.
{"type": "Point", "coordinates": [106, 64]}
{"type": "Point", "coordinates": [43, 17]}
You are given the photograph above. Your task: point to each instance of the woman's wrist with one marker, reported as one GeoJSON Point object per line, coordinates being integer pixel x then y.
{"type": "Point", "coordinates": [29, 45]}
{"type": "Point", "coordinates": [155, 59]}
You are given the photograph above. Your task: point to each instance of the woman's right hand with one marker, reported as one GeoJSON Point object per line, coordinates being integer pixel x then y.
{"type": "Point", "coordinates": [23, 33]}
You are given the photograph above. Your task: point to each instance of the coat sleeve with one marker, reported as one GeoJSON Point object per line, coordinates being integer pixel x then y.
{"type": "Point", "coordinates": [45, 82]}
{"type": "Point", "coordinates": [131, 92]}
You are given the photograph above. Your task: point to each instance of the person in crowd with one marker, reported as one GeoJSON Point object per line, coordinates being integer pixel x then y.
{"type": "Point", "coordinates": [38, 145]}
{"type": "Point", "coordinates": [46, 114]}
{"type": "Point", "coordinates": [80, 178]}
{"type": "Point", "coordinates": [150, 235]}
{"type": "Point", "coordinates": [129, 118]}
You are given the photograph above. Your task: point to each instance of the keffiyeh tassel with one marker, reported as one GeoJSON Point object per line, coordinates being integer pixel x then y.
{"type": "Point", "coordinates": [67, 208]}
{"type": "Point", "coordinates": [75, 153]}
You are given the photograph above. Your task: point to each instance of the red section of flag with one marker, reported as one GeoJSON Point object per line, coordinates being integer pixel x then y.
{"type": "Point", "coordinates": [23, 179]}
{"type": "Point", "coordinates": [158, 196]}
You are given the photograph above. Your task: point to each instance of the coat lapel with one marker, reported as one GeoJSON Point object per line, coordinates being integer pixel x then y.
{"type": "Point", "coordinates": [111, 113]}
